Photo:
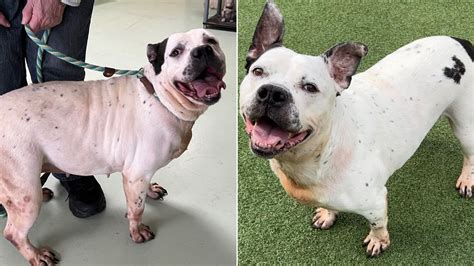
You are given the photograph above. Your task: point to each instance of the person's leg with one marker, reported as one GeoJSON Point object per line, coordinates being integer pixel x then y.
{"type": "Point", "coordinates": [12, 48]}
{"type": "Point", "coordinates": [69, 37]}
{"type": "Point", "coordinates": [86, 198]}
{"type": "Point", "coordinates": [12, 52]}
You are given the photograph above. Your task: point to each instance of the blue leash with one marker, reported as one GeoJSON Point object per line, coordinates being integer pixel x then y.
{"type": "Point", "coordinates": [42, 46]}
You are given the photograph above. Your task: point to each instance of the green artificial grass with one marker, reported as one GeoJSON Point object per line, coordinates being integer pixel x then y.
{"type": "Point", "coordinates": [428, 221]}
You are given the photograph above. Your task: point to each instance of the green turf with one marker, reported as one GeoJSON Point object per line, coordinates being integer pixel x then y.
{"type": "Point", "coordinates": [428, 221]}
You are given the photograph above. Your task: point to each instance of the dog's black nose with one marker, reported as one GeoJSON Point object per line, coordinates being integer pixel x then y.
{"type": "Point", "coordinates": [273, 95]}
{"type": "Point", "coordinates": [203, 50]}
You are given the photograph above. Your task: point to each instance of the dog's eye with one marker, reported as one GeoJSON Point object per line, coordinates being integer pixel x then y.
{"type": "Point", "coordinates": [310, 88]}
{"type": "Point", "coordinates": [257, 71]}
{"type": "Point", "coordinates": [211, 41]}
{"type": "Point", "coordinates": [175, 53]}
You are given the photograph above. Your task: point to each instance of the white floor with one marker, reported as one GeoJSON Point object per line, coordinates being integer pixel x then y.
{"type": "Point", "coordinates": [196, 223]}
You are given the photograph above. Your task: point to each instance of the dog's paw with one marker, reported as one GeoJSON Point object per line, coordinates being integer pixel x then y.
{"type": "Point", "coordinates": [375, 245]}
{"type": "Point", "coordinates": [465, 186]}
{"type": "Point", "coordinates": [142, 234]}
{"type": "Point", "coordinates": [48, 194]}
{"type": "Point", "coordinates": [156, 192]}
{"type": "Point", "coordinates": [323, 219]}
{"type": "Point", "coordinates": [44, 256]}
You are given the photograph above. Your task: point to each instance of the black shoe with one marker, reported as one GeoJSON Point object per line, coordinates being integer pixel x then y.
{"type": "Point", "coordinates": [86, 198]}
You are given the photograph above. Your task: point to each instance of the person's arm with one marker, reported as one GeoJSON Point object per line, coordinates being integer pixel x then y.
{"type": "Point", "coordinates": [42, 14]}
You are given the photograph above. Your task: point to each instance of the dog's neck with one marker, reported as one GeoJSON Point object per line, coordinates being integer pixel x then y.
{"type": "Point", "coordinates": [304, 163]}
{"type": "Point", "coordinates": [321, 156]}
{"type": "Point", "coordinates": [182, 107]}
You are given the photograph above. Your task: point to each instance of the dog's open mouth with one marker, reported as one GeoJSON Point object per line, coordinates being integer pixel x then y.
{"type": "Point", "coordinates": [205, 88]}
{"type": "Point", "coordinates": [268, 139]}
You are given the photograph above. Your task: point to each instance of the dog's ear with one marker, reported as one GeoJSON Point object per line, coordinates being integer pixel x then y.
{"type": "Point", "coordinates": [343, 60]}
{"type": "Point", "coordinates": [156, 54]}
{"type": "Point", "coordinates": [268, 33]}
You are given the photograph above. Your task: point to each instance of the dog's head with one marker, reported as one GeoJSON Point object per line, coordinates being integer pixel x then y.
{"type": "Point", "coordinates": [192, 62]}
{"type": "Point", "coordinates": [286, 97]}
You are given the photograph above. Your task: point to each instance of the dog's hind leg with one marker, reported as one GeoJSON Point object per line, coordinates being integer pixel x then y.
{"type": "Point", "coordinates": [22, 198]}
{"type": "Point", "coordinates": [156, 192]}
{"type": "Point", "coordinates": [378, 239]}
{"type": "Point", "coordinates": [461, 118]}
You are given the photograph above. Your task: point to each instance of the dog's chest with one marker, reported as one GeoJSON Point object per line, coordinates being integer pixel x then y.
{"type": "Point", "coordinates": [169, 138]}
{"type": "Point", "coordinates": [302, 193]}
{"type": "Point", "coordinates": [183, 144]}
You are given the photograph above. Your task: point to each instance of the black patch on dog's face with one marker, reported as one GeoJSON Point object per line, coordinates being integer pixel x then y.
{"type": "Point", "coordinates": [456, 71]}
{"type": "Point", "coordinates": [156, 54]}
{"type": "Point", "coordinates": [284, 113]}
{"type": "Point", "coordinates": [202, 57]}
{"type": "Point", "coordinates": [467, 46]}
{"type": "Point", "coordinates": [250, 60]}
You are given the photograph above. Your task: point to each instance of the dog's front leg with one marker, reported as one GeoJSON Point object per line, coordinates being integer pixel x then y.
{"type": "Point", "coordinates": [135, 191]}
{"type": "Point", "coordinates": [378, 239]}
{"type": "Point", "coordinates": [323, 218]}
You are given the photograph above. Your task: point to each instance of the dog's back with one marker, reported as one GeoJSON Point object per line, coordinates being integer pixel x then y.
{"type": "Point", "coordinates": [429, 66]}
{"type": "Point", "coordinates": [62, 123]}
{"type": "Point", "coordinates": [426, 79]}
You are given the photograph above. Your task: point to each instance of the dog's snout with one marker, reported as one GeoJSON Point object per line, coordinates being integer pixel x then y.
{"type": "Point", "coordinates": [208, 49]}
{"type": "Point", "coordinates": [204, 50]}
{"type": "Point", "coordinates": [272, 95]}
{"type": "Point", "coordinates": [196, 53]}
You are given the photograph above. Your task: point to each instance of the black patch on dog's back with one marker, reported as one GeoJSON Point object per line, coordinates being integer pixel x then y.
{"type": "Point", "coordinates": [456, 71]}
{"type": "Point", "coordinates": [467, 46]}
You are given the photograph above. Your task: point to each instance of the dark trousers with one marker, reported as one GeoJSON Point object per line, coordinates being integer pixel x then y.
{"type": "Point", "coordinates": [69, 37]}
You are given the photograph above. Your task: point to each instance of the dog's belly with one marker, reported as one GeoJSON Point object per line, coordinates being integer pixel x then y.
{"type": "Point", "coordinates": [85, 128]}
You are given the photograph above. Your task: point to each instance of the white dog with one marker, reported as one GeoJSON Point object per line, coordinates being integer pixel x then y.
{"type": "Point", "coordinates": [129, 125]}
{"type": "Point", "coordinates": [336, 153]}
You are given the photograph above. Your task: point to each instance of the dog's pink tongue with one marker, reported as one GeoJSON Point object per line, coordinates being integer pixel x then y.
{"type": "Point", "coordinates": [211, 86]}
{"type": "Point", "coordinates": [266, 133]}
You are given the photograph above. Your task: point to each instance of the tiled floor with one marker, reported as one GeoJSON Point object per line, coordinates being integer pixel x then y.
{"type": "Point", "coordinates": [196, 223]}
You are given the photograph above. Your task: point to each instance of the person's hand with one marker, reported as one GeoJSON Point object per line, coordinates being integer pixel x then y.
{"type": "Point", "coordinates": [3, 21]}
{"type": "Point", "coordinates": [42, 14]}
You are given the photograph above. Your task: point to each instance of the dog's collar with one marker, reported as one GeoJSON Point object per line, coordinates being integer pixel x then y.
{"type": "Point", "coordinates": [149, 87]}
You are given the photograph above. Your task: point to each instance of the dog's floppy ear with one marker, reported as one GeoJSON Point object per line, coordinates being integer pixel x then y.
{"type": "Point", "coordinates": [156, 54]}
{"type": "Point", "coordinates": [343, 60]}
{"type": "Point", "coordinates": [268, 33]}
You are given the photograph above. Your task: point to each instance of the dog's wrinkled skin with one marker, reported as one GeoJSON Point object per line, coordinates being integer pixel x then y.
{"type": "Point", "coordinates": [101, 127]}
{"type": "Point", "coordinates": [336, 153]}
